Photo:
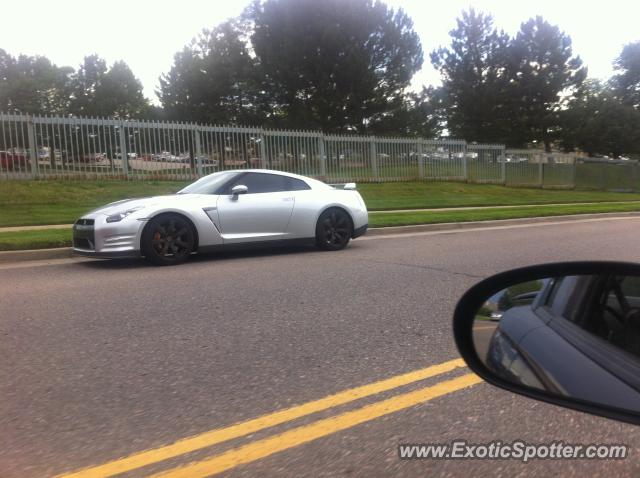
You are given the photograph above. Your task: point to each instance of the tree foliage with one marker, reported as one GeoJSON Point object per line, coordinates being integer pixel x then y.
{"type": "Point", "coordinates": [334, 65]}
{"type": "Point", "coordinates": [330, 65]}
{"type": "Point", "coordinates": [472, 70]}
{"type": "Point", "coordinates": [544, 71]}
{"type": "Point", "coordinates": [102, 91]}
{"type": "Point", "coordinates": [33, 84]}
{"type": "Point", "coordinates": [213, 80]}
{"type": "Point", "coordinates": [598, 123]}
{"type": "Point", "coordinates": [626, 82]}
{"type": "Point", "coordinates": [507, 90]}
{"type": "Point", "coordinates": [346, 66]}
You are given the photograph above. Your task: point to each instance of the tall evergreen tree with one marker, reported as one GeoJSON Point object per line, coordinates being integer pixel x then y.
{"type": "Point", "coordinates": [627, 80]}
{"type": "Point", "coordinates": [473, 77]}
{"type": "Point", "coordinates": [544, 75]}
{"type": "Point", "coordinates": [213, 80]}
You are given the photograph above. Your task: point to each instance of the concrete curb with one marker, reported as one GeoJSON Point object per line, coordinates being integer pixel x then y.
{"type": "Point", "coordinates": [66, 252]}
{"type": "Point", "coordinates": [382, 231]}
{"type": "Point", "coordinates": [35, 255]}
{"type": "Point", "coordinates": [35, 228]}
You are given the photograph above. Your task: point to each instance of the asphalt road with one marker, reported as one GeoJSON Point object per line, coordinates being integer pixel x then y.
{"type": "Point", "coordinates": [101, 360]}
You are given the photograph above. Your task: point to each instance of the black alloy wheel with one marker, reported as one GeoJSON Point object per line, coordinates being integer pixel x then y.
{"type": "Point", "coordinates": [168, 239]}
{"type": "Point", "coordinates": [334, 229]}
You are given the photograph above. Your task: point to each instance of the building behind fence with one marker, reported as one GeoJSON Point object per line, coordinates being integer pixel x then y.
{"type": "Point", "coordinates": [47, 147]}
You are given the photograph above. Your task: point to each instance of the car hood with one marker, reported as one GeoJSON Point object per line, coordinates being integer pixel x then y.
{"type": "Point", "coordinates": [126, 204]}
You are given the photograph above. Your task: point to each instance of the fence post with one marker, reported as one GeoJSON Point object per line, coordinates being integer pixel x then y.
{"type": "Point", "coordinates": [198, 151]}
{"type": "Point", "coordinates": [503, 169]}
{"type": "Point", "coordinates": [421, 159]}
{"type": "Point", "coordinates": [323, 155]}
{"type": "Point", "coordinates": [573, 173]}
{"type": "Point", "coordinates": [33, 147]}
{"type": "Point", "coordinates": [465, 163]}
{"type": "Point", "coordinates": [541, 173]}
{"type": "Point", "coordinates": [263, 150]}
{"type": "Point", "coordinates": [374, 158]}
{"type": "Point", "coordinates": [124, 156]}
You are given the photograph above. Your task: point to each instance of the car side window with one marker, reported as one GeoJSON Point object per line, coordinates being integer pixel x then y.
{"type": "Point", "coordinates": [560, 299]}
{"type": "Point", "coordinates": [297, 185]}
{"type": "Point", "coordinates": [257, 183]}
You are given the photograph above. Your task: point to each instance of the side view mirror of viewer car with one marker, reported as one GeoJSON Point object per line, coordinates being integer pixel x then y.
{"type": "Point", "coordinates": [564, 333]}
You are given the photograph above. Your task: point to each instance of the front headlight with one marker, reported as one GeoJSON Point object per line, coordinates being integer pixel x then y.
{"type": "Point", "coordinates": [119, 216]}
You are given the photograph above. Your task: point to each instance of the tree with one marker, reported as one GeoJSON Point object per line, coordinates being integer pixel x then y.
{"type": "Point", "coordinates": [120, 94]}
{"type": "Point", "coordinates": [598, 122]}
{"type": "Point", "coordinates": [418, 115]}
{"type": "Point", "coordinates": [545, 75]}
{"type": "Point", "coordinates": [512, 296]}
{"type": "Point", "coordinates": [473, 78]}
{"type": "Point", "coordinates": [627, 82]}
{"type": "Point", "coordinates": [212, 80]}
{"type": "Point", "coordinates": [102, 91]}
{"type": "Point", "coordinates": [33, 84]}
{"type": "Point", "coordinates": [333, 65]}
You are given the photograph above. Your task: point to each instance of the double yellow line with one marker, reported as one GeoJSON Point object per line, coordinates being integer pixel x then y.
{"type": "Point", "coordinates": [291, 438]}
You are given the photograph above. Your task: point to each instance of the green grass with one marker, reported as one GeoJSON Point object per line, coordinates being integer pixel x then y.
{"type": "Point", "coordinates": [417, 195]}
{"type": "Point", "coordinates": [40, 239]}
{"type": "Point", "coordinates": [26, 203]}
{"type": "Point", "coordinates": [434, 217]}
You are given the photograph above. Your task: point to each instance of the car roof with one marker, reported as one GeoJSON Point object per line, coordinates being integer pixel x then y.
{"type": "Point", "coordinates": [314, 183]}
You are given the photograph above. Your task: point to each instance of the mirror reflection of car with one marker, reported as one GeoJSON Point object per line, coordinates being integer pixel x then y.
{"type": "Point", "coordinates": [524, 348]}
{"type": "Point", "coordinates": [574, 342]}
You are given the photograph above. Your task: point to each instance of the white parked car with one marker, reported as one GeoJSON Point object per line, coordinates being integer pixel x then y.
{"type": "Point", "coordinates": [224, 209]}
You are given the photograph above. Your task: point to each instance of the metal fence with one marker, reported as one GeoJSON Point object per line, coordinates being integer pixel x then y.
{"type": "Point", "coordinates": [60, 147]}
{"type": "Point", "coordinates": [50, 147]}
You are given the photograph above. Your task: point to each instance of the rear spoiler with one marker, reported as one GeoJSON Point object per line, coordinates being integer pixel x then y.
{"type": "Point", "coordinates": [345, 186]}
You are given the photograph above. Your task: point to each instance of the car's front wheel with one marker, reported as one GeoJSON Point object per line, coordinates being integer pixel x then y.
{"type": "Point", "coordinates": [168, 239]}
{"type": "Point", "coordinates": [334, 229]}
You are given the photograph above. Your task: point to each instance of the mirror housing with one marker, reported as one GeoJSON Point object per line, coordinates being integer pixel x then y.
{"type": "Point", "coordinates": [239, 189]}
{"type": "Point", "coordinates": [350, 186]}
{"type": "Point", "coordinates": [562, 354]}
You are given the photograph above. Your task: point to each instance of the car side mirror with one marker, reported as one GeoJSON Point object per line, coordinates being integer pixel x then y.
{"type": "Point", "coordinates": [239, 189]}
{"type": "Point", "coordinates": [564, 333]}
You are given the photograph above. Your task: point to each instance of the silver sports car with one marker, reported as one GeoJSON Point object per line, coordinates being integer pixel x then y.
{"type": "Point", "coordinates": [225, 209]}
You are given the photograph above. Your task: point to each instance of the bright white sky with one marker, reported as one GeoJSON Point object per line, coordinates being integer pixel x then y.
{"type": "Point", "coordinates": [147, 33]}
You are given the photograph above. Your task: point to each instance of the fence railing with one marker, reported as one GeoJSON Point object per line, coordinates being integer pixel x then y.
{"type": "Point", "coordinates": [61, 147]}
{"type": "Point", "coordinates": [51, 147]}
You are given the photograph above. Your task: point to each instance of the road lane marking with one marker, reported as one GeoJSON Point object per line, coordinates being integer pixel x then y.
{"type": "Point", "coordinates": [220, 435]}
{"type": "Point", "coordinates": [304, 434]}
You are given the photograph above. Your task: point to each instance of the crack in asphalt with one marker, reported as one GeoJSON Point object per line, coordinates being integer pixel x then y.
{"type": "Point", "coordinates": [430, 268]}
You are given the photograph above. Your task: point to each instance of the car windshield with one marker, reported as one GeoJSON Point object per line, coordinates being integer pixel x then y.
{"type": "Point", "coordinates": [209, 184]}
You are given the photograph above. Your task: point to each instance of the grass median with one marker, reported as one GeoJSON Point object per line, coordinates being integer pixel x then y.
{"type": "Point", "coordinates": [42, 239]}
{"type": "Point", "coordinates": [435, 217]}
{"type": "Point", "coordinates": [25, 203]}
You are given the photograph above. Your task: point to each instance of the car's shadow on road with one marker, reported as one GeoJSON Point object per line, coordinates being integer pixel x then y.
{"type": "Point", "coordinates": [218, 256]}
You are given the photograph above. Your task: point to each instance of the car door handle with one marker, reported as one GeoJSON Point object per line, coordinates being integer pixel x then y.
{"type": "Point", "coordinates": [287, 199]}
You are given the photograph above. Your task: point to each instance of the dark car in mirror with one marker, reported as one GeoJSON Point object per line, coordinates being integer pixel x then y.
{"type": "Point", "coordinates": [565, 333]}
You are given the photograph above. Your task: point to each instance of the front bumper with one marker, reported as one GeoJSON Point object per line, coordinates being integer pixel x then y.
{"type": "Point", "coordinates": [93, 236]}
{"type": "Point", "coordinates": [107, 255]}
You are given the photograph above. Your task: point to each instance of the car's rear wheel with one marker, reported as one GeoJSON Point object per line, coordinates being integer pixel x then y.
{"type": "Point", "coordinates": [334, 229]}
{"type": "Point", "coordinates": [168, 239]}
